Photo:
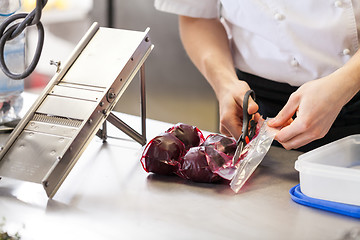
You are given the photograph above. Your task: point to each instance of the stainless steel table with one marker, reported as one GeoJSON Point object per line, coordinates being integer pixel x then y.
{"type": "Point", "coordinates": [108, 195]}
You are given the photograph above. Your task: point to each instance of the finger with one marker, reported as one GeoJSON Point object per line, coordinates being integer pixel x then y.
{"type": "Point", "coordinates": [252, 107]}
{"type": "Point", "coordinates": [285, 124]}
{"type": "Point", "coordinates": [290, 131]}
{"type": "Point", "coordinates": [257, 117]}
{"type": "Point", "coordinates": [294, 135]}
{"type": "Point", "coordinates": [289, 122]}
{"type": "Point", "coordinates": [235, 129]}
{"type": "Point", "coordinates": [286, 113]}
{"type": "Point", "coordinates": [231, 126]}
{"type": "Point", "coordinates": [240, 94]}
{"type": "Point", "coordinates": [296, 142]}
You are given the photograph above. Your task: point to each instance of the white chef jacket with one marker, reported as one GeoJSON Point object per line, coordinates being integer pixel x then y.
{"type": "Point", "coordinates": [285, 41]}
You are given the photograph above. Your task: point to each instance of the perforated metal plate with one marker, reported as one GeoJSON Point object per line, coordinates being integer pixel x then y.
{"type": "Point", "coordinates": [47, 142]}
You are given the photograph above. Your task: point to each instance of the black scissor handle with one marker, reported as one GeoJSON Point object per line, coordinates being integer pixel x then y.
{"type": "Point", "coordinates": [246, 116]}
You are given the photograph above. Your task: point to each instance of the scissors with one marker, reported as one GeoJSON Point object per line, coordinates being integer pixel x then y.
{"type": "Point", "coordinates": [248, 127]}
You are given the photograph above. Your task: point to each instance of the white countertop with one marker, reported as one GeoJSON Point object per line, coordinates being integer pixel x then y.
{"type": "Point", "coordinates": [108, 195]}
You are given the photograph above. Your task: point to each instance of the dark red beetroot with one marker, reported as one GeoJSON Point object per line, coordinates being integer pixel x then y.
{"type": "Point", "coordinates": [163, 154]}
{"type": "Point", "coordinates": [191, 136]}
{"type": "Point", "coordinates": [219, 151]}
{"type": "Point", "coordinates": [195, 167]}
{"type": "Point", "coordinates": [221, 143]}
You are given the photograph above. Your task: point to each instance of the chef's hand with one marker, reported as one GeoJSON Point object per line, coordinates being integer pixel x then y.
{"type": "Point", "coordinates": [316, 104]}
{"type": "Point", "coordinates": [207, 44]}
{"type": "Point", "coordinates": [230, 107]}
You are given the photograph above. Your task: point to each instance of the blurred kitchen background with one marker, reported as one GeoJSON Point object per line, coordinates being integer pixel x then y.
{"type": "Point", "coordinates": [175, 90]}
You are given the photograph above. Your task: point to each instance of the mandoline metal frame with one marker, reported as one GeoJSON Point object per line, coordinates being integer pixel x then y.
{"type": "Point", "coordinates": [51, 137]}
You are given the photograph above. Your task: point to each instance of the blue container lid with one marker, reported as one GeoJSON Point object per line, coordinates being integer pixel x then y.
{"type": "Point", "coordinates": [341, 208]}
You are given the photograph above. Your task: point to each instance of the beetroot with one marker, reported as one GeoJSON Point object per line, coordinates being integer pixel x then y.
{"type": "Point", "coordinates": [195, 167]}
{"type": "Point", "coordinates": [221, 143]}
{"type": "Point", "coordinates": [183, 150]}
{"type": "Point", "coordinates": [219, 152]}
{"type": "Point", "coordinates": [163, 154]}
{"type": "Point", "coordinates": [191, 136]}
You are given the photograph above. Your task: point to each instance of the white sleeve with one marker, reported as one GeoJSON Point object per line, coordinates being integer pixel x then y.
{"type": "Point", "coordinates": [190, 8]}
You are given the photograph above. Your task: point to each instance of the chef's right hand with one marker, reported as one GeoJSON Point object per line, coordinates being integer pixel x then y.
{"type": "Point", "coordinates": [230, 99]}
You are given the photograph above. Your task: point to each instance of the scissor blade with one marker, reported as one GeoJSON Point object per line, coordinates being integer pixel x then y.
{"type": "Point", "coordinates": [237, 153]}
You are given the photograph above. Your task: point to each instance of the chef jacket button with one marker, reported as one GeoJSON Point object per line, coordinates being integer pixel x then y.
{"type": "Point", "coordinates": [294, 63]}
{"type": "Point", "coordinates": [346, 51]}
{"type": "Point", "coordinates": [278, 16]}
{"type": "Point", "coordinates": [338, 4]}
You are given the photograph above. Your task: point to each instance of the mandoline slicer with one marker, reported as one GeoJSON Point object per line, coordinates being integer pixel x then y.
{"type": "Point", "coordinates": [53, 134]}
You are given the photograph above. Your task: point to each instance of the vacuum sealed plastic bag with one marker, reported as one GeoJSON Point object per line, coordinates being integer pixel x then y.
{"type": "Point", "coordinates": [195, 166]}
{"type": "Point", "coordinates": [191, 136]}
{"type": "Point", "coordinates": [163, 154]}
{"type": "Point", "coordinates": [226, 169]}
{"type": "Point", "coordinates": [199, 162]}
{"type": "Point", "coordinates": [182, 150]}
{"type": "Point", "coordinates": [219, 154]}
{"type": "Point", "coordinates": [252, 155]}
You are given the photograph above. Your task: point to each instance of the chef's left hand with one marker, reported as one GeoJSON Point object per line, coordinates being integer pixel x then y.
{"type": "Point", "coordinates": [316, 104]}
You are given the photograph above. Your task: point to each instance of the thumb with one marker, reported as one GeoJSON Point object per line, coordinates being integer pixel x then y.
{"type": "Point", "coordinates": [285, 115]}
{"type": "Point", "coordinates": [252, 107]}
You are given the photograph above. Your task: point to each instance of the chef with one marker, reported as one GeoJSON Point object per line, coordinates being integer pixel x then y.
{"type": "Point", "coordinates": [301, 58]}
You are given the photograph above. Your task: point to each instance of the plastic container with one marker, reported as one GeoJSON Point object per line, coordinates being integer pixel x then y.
{"type": "Point", "coordinates": [11, 100]}
{"type": "Point", "coordinates": [332, 172]}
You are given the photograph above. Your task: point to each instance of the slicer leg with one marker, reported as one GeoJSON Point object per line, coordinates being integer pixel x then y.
{"type": "Point", "coordinates": [117, 122]}
{"type": "Point", "coordinates": [143, 102]}
{"type": "Point", "coordinates": [114, 120]}
{"type": "Point", "coordinates": [102, 133]}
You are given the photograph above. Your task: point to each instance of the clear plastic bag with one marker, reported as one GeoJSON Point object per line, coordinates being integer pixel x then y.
{"type": "Point", "coordinates": [252, 155]}
{"type": "Point", "coordinates": [206, 160]}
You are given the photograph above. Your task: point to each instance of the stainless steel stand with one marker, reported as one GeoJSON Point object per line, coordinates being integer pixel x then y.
{"type": "Point", "coordinates": [48, 141]}
{"type": "Point", "coordinates": [114, 120]}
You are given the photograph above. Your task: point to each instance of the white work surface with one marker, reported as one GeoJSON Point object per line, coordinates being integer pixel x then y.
{"type": "Point", "coordinates": [108, 195]}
